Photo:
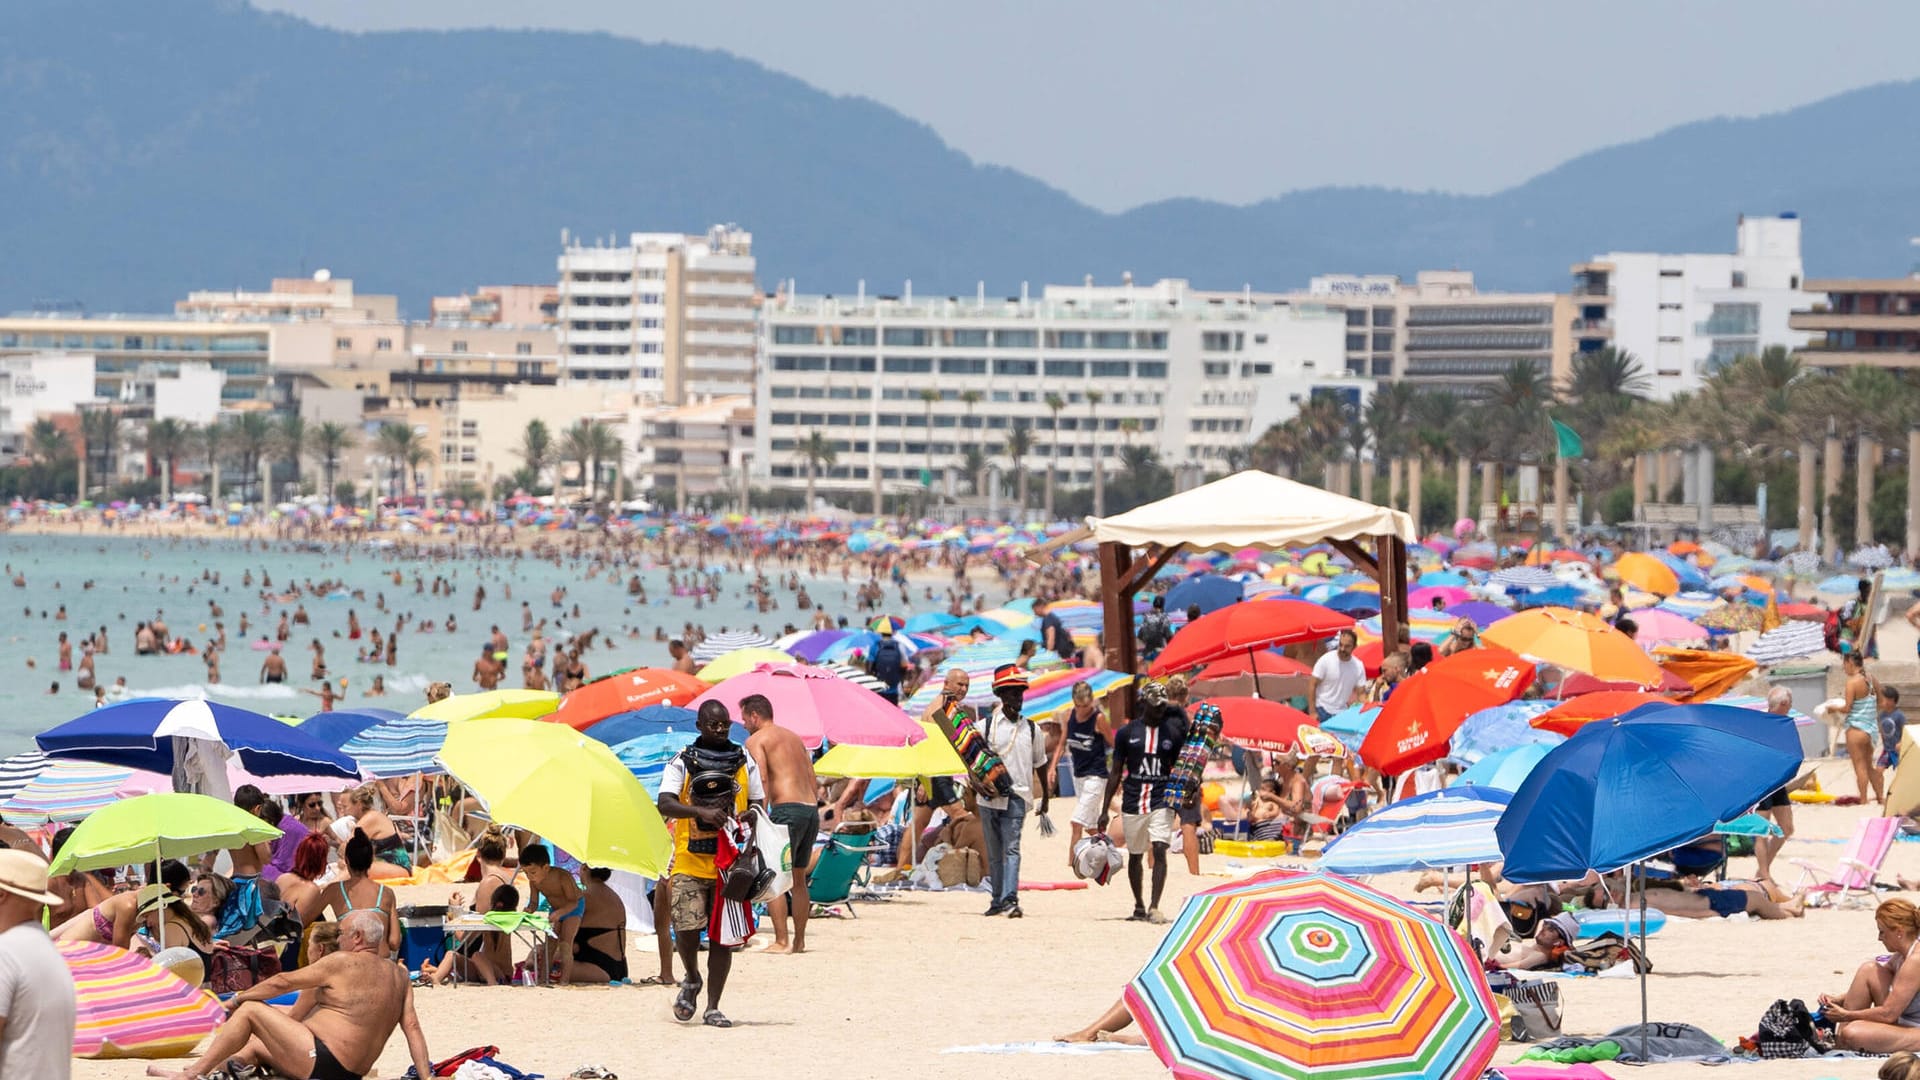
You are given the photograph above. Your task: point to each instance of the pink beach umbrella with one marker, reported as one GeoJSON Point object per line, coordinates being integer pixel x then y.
{"type": "Point", "coordinates": [1656, 627]}
{"type": "Point", "coordinates": [817, 705]}
{"type": "Point", "coordinates": [1448, 595]}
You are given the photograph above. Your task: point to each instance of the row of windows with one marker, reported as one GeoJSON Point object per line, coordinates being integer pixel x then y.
{"type": "Point", "coordinates": [1485, 339]}
{"type": "Point", "coordinates": [859, 472]}
{"type": "Point", "coordinates": [609, 350]}
{"type": "Point", "coordinates": [582, 324]}
{"type": "Point", "coordinates": [1381, 342]}
{"type": "Point", "coordinates": [920, 337]}
{"type": "Point", "coordinates": [1509, 314]}
{"type": "Point", "coordinates": [610, 374]}
{"type": "Point", "coordinates": [940, 450]}
{"type": "Point", "coordinates": [979, 365]}
{"type": "Point", "coordinates": [990, 423]}
{"type": "Point", "coordinates": [1382, 316]}
{"type": "Point", "coordinates": [140, 342]}
{"type": "Point", "coordinates": [1217, 425]}
{"type": "Point", "coordinates": [644, 274]}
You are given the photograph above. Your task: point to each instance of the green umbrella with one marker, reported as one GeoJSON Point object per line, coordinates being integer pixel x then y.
{"type": "Point", "coordinates": [148, 828]}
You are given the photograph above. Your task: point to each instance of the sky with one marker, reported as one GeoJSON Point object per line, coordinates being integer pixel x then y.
{"type": "Point", "coordinates": [1128, 101]}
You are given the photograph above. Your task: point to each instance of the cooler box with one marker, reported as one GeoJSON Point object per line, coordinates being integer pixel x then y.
{"type": "Point", "coordinates": [1808, 685]}
{"type": "Point", "coordinates": [423, 935]}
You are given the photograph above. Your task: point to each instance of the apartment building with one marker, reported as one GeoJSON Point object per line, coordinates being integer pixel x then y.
{"type": "Point", "coordinates": [1686, 316]}
{"type": "Point", "coordinates": [320, 297]}
{"type": "Point", "coordinates": [500, 305]}
{"type": "Point", "coordinates": [1861, 321]}
{"type": "Point", "coordinates": [695, 455]}
{"type": "Point", "coordinates": [904, 388]}
{"type": "Point", "coordinates": [668, 316]}
{"type": "Point", "coordinates": [131, 351]}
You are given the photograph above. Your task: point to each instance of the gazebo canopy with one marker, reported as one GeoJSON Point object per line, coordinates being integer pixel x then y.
{"type": "Point", "coordinates": [1248, 509]}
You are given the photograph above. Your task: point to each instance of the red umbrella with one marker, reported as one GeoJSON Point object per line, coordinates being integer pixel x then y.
{"type": "Point", "coordinates": [1257, 663]}
{"type": "Point", "coordinates": [1371, 655]}
{"type": "Point", "coordinates": [1259, 724]}
{"type": "Point", "coordinates": [1244, 628]}
{"type": "Point", "coordinates": [625, 691]}
{"type": "Point", "coordinates": [1429, 706]}
{"type": "Point", "coordinates": [1809, 612]}
{"type": "Point", "coordinates": [1568, 717]}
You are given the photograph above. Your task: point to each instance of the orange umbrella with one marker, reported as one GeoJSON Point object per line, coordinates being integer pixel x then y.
{"type": "Point", "coordinates": [1568, 717]}
{"type": "Point", "coordinates": [1427, 707]}
{"type": "Point", "coordinates": [1576, 641]}
{"type": "Point", "coordinates": [1646, 573]}
{"type": "Point", "coordinates": [625, 691]}
{"type": "Point", "coordinates": [1683, 548]}
{"type": "Point", "coordinates": [1711, 673]}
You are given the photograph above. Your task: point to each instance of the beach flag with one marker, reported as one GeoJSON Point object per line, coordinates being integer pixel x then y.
{"type": "Point", "coordinates": [1570, 448]}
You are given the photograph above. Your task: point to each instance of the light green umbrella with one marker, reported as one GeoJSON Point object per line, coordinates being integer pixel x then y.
{"type": "Point", "coordinates": [148, 828]}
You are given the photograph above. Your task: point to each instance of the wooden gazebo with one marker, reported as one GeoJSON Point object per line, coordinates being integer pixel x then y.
{"type": "Point", "coordinates": [1249, 509]}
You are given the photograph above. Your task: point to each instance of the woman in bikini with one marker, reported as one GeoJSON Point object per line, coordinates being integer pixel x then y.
{"type": "Point", "coordinates": [112, 921]}
{"type": "Point", "coordinates": [300, 886]}
{"type": "Point", "coordinates": [359, 892]}
{"type": "Point", "coordinates": [1880, 1012]}
{"type": "Point", "coordinates": [600, 946]}
{"type": "Point", "coordinates": [393, 860]}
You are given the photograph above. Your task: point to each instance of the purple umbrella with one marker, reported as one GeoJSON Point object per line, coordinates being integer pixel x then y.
{"type": "Point", "coordinates": [810, 647]}
{"type": "Point", "coordinates": [1482, 613]}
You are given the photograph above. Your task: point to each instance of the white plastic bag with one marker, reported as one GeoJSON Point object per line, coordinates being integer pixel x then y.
{"type": "Point", "coordinates": [776, 853]}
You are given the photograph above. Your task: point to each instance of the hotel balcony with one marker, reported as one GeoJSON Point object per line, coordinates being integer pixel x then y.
{"type": "Point", "coordinates": [1593, 328]}
{"type": "Point", "coordinates": [1828, 320]}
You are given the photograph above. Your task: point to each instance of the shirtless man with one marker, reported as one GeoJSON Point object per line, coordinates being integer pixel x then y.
{"type": "Point", "coordinates": [273, 669]}
{"type": "Point", "coordinates": [787, 771]}
{"type": "Point", "coordinates": [358, 999]}
{"type": "Point", "coordinates": [486, 670]}
{"type": "Point", "coordinates": [682, 659]}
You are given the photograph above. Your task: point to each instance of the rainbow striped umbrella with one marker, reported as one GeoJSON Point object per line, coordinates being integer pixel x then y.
{"type": "Point", "coordinates": [1051, 693]}
{"type": "Point", "coordinates": [129, 1008]}
{"type": "Point", "coordinates": [887, 624]}
{"type": "Point", "coordinates": [67, 790]}
{"type": "Point", "coordinates": [1312, 976]}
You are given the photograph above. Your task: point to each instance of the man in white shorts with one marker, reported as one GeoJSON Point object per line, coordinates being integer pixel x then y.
{"type": "Point", "coordinates": [1144, 753]}
{"type": "Point", "coordinates": [1089, 739]}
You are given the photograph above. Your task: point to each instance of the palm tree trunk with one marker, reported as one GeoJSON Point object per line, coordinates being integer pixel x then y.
{"type": "Point", "coordinates": [1052, 464]}
{"type": "Point", "coordinates": [1022, 466]}
{"type": "Point", "coordinates": [1416, 466]}
{"type": "Point", "coordinates": [166, 482]}
{"type": "Point", "coordinates": [813, 470]}
{"type": "Point", "coordinates": [1099, 483]}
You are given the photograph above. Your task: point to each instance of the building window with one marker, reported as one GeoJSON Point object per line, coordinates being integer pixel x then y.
{"type": "Point", "coordinates": [459, 347]}
{"type": "Point", "coordinates": [908, 365]}
{"type": "Point", "coordinates": [1157, 339]}
{"type": "Point", "coordinates": [783, 391]}
{"type": "Point", "coordinates": [905, 335]}
{"type": "Point", "coordinates": [1356, 342]}
{"type": "Point", "coordinates": [1065, 369]}
{"type": "Point", "coordinates": [1383, 342]}
{"type": "Point", "coordinates": [857, 335]}
{"type": "Point", "coordinates": [523, 348]}
{"type": "Point", "coordinates": [1356, 316]}
{"type": "Point", "coordinates": [1383, 316]}
{"type": "Point", "coordinates": [384, 344]}
{"type": "Point", "coordinates": [1111, 369]}
{"type": "Point", "coordinates": [1739, 279]}
{"type": "Point", "coordinates": [963, 365]}
{"type": "Point", "coordinates": [795, 335]}
{"type": "Point", "coordinates": [969, 339]}
{"type": "Point", "coordinates": [850, 363]}
{"type": "Point", "coordinates": [1067, 339]}
{"type": "Point", "coordinates": [1216, 369]}
{"type": "Point", "coordinates": [1112, 339]}
{"type": "Point", "coordinates": [1016, 367]}
{"type": "Point", "coordinates": [1150, 369]}
{"type": "Point", "coordinates": [1382, 367]}
{"type": "Point", "coordinates": [801, 363]}
{"type": "Point", "coordinates": [1016, 339]}
{"type": "Point", "coordinates": [1221, 341]}
{"type": "Point", "coordinates": [1672, 273]}
{"type": "Point", "coordinates": [343, 343]}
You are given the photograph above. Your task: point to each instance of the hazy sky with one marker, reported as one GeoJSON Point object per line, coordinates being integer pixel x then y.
{"type": "Point", "coordinates": [1125, 101]}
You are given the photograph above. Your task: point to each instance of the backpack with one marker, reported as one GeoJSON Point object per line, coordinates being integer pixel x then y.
{"type": "Point", "coordinates": [1155, 631]}
{"type": "Point", "coordinates": [1787, 1031]}
{"type": "Point", "coordinates": [239, 967]}
{"type": "Point", "coordinates": [887, 663]}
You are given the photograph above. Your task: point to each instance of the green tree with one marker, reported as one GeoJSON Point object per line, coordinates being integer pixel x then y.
{"type": "Point", "coordinates": [1094, 398]}
{"type": "Point", "coordinates": [216, 442]}
{"type": "Point", "coordinates": [291, 440]}
{"type": "Point", "coordinates": [970, 448]}
{"type": "Point", "coordinates": [396, 442]}
{"type": "Point", "coordinates": [329, 442]}
{"type": "Point", "coordinates": [536, 452]}
{"type": "Point", "coordinates": [818, 453]}
{"type": "Point", "coordinates": [1054, 402]}
{"type": "Point", "coordinates": [103, 433]}
{"type": "Point", "coordinates": [167, 441]}
{"type": "Point", "coordinates": [927, 398]}
{"type": "Point", "coordinates": [1018, 444]}
{"type": "Point", "coordinates": [254, 435]}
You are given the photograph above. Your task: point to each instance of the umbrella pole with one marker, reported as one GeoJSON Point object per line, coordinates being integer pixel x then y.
{"type": "Point", "coordinates": [163, 910]}
{"type": "Point", "coordinates": [1253, 668]}
{"type": "Point", "coordinates": [1641, 869]}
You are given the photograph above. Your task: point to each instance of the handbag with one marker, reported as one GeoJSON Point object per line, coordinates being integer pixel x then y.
{"type": "Point", "coordinates": [1536, 1006]}
{"type": "Point", "coordinates": [773, 843]}
{"type": "Point", "coordinates": [742, 878]}
{"type": "Point", "coordinates": [238, 968]}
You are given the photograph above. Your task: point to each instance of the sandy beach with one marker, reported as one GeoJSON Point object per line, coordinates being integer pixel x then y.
{"type": "Point", "coordinates": [894, 991]}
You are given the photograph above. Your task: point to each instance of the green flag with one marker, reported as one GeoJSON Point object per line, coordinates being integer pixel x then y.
{"type": "Point", "coordinates": [1570, 448]}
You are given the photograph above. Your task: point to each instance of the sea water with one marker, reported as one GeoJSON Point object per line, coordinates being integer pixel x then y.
{"type": "Point", "coordinates": [133, 579]}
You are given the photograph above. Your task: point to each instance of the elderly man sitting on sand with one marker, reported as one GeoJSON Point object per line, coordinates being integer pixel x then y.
{"type": "Point", "coordinates": [358, 999]}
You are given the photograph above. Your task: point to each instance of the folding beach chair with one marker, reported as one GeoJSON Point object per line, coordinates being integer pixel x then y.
{"type": "Point", "coordinates": [836, 869]}
{"type": "Point", "coordinates": [1859, 861]}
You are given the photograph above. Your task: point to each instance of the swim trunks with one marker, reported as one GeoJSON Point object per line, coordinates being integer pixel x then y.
{"type": "Point", "coordinates": [803, 826]}
{"type": "Point", "coordinates": [1725, 902]}
{"type": "Point", "coordinates": [328, 1067]}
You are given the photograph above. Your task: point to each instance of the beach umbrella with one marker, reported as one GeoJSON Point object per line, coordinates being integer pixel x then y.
{"type": "Point", "coordinates": [1210, 591]}
{"type": "Point", "coordinates": [739, 661]}
{"type": "Point", "coordinates": [887, 624]}
{"type": "Point", "coordinates": [1448, 595]}
{"type": "Point", "coordinates": [1524, 577]}
{"type": "Point", "coordinates": [1443, 578]}
{"type": "Point", "coordinates": [1576, 641]}
{"type": "Point", "coordinates": [17, 771]}
{"type": "Point", "coordinates": [1050, 694]}
{"type": "Point", "coordinates": [808, 644]}
{"type": "Point", "coordinates": [1253, 663]}
{"type": "Point", "coordinates": [490, 705]}
{"type": "Point", "coordinates": [568, 788]}
{"type": "Point", "coordinates": [1482, 613]}
{"type": "Point", "coordinates": [126, 1006]}
{"type": "Point", "coordinates": [817, 706]}
{"type": "Point", "coordinates": [150, 733]}
{"type": "Point", "coordinates": [1258, 724]}
{"type": "Point", "coordinates": [1733, 619]}
{"type": "Point", "coordinates": [1624, 789]}
{"type": "Point", "coordinates": [1790, 640]}
{"type": "Point", "coordinates": [67, 790]}
{"type": "Point", "coordinates": [1687, 574]}
{"type": "Point", "coordinates": [1646, 573]}
{"type": "Point", "coordinates": [863, 644]}
{"type": "Point", "coordinates": [1575, 713]}
{"type": "Point", "coordinates": [719, 645]}
{"type": "Point", "coordinates": [1354, 603]}
{"type": "Point", "coordinates": [1839, 585]}
{"type": "Point", "coordinates": [1351, 724]}
{"type": "Point", "coordinates": [1439, 830]}
{"type": "Point", "coordinates": [933, 755]}
{"type": "Point", "coordinates": [167, 825]}
{"type": "Point", "coordinates": [1657, 627]}
{"type": "Point", "coordinates": [647, 755]}
{"type": "Point", "coordinates": [336, 727]}
{"type": "Point", "coordinates": [1689, 605]}
{"type": "Point", "coordinates": [403, 747]}
{"type": "Point", "coordinates": [1504, 770]}
{"type": "Point", "coordinates": [652, 720]}
{"type": "Point", "coordinates": [1498, 728]}
{"type": "Point", "coordinates": [1304, 975]}
{"type": "Point", "coordinates": [1428, 706]}
{"type": "Point", "coordinates": [1248, 628]}
{"type": "Point", "coordinates": [625, 691]}
{"type": "Point", "coordinates": [853, 675]}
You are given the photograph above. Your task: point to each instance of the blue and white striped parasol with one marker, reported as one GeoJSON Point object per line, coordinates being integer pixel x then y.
{"type": "Point", "coordinates": [1447, 828]}
{"type": "Point", "coordinates": [398, 748]}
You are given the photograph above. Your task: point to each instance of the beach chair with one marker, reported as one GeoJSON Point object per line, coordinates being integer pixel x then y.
{"type": "Point", "coordinates": [1850, 879]}
{"type": "Point", "coordinates": [837, 868]}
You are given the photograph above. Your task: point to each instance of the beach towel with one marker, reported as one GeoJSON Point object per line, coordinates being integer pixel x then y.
{"type": "Point", "coordinates": [1202, 733]}
{"type": "Point", "coordinates": [985, 771]}
{"type": "Point", "coordinates": [243, 909]}
{"type": "Point", "coordinates": [731, 922]}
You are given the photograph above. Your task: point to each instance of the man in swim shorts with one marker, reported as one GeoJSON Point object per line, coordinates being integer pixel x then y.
{"type": "Point", "coordinates": [786, 770]}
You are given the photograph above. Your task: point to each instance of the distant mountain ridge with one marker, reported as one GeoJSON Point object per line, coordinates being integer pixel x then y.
{"type": "Point", "coordinates": [150, 148]}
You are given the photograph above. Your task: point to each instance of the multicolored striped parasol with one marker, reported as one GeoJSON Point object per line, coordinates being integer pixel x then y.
{"type": "Point", "coordinates": [129, 1008]}
{"type": "Point", "coordinates": [67, 790]}
{"type": "Point", "coordinates": [1309, 975]}
{"type": "Point", "coordinates": [1050, 694]}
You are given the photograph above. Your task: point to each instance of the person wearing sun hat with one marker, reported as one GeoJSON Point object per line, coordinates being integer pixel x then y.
{"type": "Point", "coordinates": [36, 988]}
{"type": "Point", "coordinates": [1003, 817]}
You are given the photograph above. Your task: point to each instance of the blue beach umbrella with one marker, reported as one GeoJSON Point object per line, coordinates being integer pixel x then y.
{"type": "Point", "coordinates": [1443, 577]}
{"type": "Point", "coordinates": [1691, 576]}
{"type": "Point", "coordinates": [1446, 828]}
{"type": "Point", "coordinates": [1502, 727]}
{"type": "Point", "coordinates": [401, 747]}
{"type": "Point", "coordinates": [1351, 724]}
{"type": "Point", "coordinates": [1625, 789]}
{"type": "Point", "coordinates": [1353, 603]}
{"type": "Point", "coordinates": [647, 755]}
{"type": "Point", "coordinates": [1481, 612]}
{"type": "Point", "coordinates": [335, 728]}
{"type": "Point", "coordinates": [1211, 591]}
{"type": "Point", "coordinates": [652, 720]}
{"type": "Point", "coordinates": [1505, 770]}
{"type": "Point", "coordinates": [141, 733]}
{"type": "Point", "coordinates": [1554, 596]}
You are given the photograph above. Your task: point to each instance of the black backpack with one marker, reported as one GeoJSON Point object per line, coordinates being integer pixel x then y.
{"type": "Point", "coordinates": [887, 664]}
{"type": "Point", "coordinates": [1155, 631]}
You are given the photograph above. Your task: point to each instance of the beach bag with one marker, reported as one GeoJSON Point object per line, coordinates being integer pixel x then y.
{"type": "Point", "coordinates": [239, 967]}
{"type": "Point", "coordinates": [961, 866]}
{"type": "Point", "coordinates": [1787, 1031]}
{"type": "Point", "coordinates": [1607, 950]}
{"type": "Point", "coordinates": [1203, 840]}
{"type": "Point", "coordinates": [771, 842]}
{"type": "Point", "coordinates": [747, 874]}
{"type": "Point", "coordinates": [1536, 1008]}
{"type": "Point", "coordinates": [452, 1064]}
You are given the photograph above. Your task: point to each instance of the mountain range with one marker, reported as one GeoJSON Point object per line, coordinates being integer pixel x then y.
{"type": "Point", "coordinates": [148, 148]}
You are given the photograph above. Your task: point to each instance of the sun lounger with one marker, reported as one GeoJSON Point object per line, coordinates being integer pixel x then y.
{"type": "Point", "coordinates": [837, 867]}
{"type": "Point", "coordinates": [1851, 877]}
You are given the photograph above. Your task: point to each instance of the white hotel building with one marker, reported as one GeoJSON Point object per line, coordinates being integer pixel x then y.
{"type": "Point", "coordinates": [1192, 374]}
{"type": "Point", "coordinates": [666, 316]}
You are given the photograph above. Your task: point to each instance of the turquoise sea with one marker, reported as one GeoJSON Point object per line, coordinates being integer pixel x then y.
{"type": "Point", "coordinates": [133, 579]}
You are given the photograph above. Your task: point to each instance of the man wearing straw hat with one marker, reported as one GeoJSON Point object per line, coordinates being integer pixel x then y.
{"type": "Point", "coordinates": [36, 988]}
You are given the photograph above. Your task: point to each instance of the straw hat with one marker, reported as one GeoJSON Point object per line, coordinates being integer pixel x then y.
{"type": "Point", "coordinates": [23, 873]}
{"type": "Point", "coordinates": [154, 896]}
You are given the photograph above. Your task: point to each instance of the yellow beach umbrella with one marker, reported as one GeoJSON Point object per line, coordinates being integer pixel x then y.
{"type": "Point", "coordinates": [490, 705]}
{"type": "Point", "coordinates": [1646, 573]}
{"type": "Point", "coordinates": [740, 661]}
{"type": "Point", "coordinates": [931, 756]}
{"type": "Point", "coordinates": [1013, 620]}
{"type": "Point", "coordinates": [570, 789]}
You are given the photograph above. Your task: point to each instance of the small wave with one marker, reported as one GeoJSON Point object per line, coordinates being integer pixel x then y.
{"type": "Point", "coordinates": [279, 692]}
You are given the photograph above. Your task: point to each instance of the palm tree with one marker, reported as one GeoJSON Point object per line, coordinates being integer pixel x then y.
{"type": "Point", "coordinates": [292, 441]}
{"type": "Point", "coordinates": [576, 445]}
{"type": "Point", "coordinates": [971, 446]}
{"type": "Point", "coordinates": [973, 463]}
{"type": "Point", "coordinates": [329, 442]}
{"type": "Point", "coordinates": [1389, 419]}
{"type": "Point", "coordinates": [166, 440]}
{"type": "Point", "coordinates": [604, 447]}
{"type": "Point", "coordinates": [102, 433]}
{"type": "Point", "coordinates": [536, 451]}
{"type": "Point", "coordinates": [50, 444]}
{"type": "Point", "coordinates": [1138, 463]}
{"type": "Point", "coordinates": [254, 434]}
{"type": "Point", "coordinates": [927, 398]}
{"type": "Point", "coordinates": [216, 439]}
{"type": "Point", "coordinates": [1094, 397]}
{"type": "Point", "coordinates": [396, 442]}
{"type": "Point", "coordinates": [1018, 445]}
{"type": "Point", "coordinates": [1056, 403]}
{"type": "Point", "coordinates": [818, 452]}
{"type": "Point", "coordinates": [417, 456]}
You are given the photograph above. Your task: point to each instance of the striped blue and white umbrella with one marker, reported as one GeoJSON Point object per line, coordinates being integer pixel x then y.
{"type": "Point", "coordinates": [401, 747]}
{"type": "Point", "coordinates": [1691, 605]}
{"type": "Point", "coordinates": [719, 645]}
{"type": "Point", "coordinates": [142, 733]}
{"type": "Point", "coordinates": [647, 755]}
{"type": "Point", "coordinates": [1525, 577]}
{"type": "Point", "coordinates": [19, 770]}
{"type": "Point", "coordinates": [1791, 640]}
{"type": "Point", "coordinates": [1446, 828]}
